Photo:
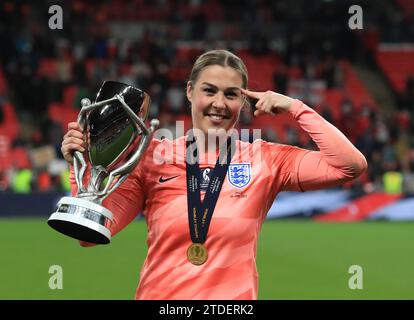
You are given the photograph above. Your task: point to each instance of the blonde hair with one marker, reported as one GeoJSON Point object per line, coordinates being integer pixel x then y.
{"type": "Point", "coordinates": [222, 58]}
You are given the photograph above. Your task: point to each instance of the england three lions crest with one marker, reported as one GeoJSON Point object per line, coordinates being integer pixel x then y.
{"type": "Point", "coordinates": [239, 174]}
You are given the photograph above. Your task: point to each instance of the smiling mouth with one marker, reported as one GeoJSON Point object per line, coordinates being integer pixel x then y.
{"type": "Point", "coordinates": [217, 117]}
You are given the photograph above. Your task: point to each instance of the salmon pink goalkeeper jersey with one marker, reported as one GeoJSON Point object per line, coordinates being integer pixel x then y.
{"type": "Point", "coordinates": [258, 171]}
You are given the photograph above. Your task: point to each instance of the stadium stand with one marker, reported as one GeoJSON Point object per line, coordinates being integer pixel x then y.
{"type": "Point", "coordinates": [152, 44]}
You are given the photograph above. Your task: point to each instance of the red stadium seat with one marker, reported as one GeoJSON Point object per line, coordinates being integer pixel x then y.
{"type": "Point", "coordinates": [407, 5]}
{"type": "Point", "coordinates": [70, 115]}
{"type": "Point", "coordinates": [21, 158]}
{"type": "Point", "coordinates": [185, 53]}
{"type": "Point", "coordinates": [179, 73]}
{"type": "Point", "coordinates": [44, 181]}
{"type": "Point", "coordinates": [334, 98]}
{"type": "Point", "coordinates": [62, 115]}
{"type": "Point", "coordinates": [261, 69]}
{"type": "Point", "coordinates": [397, 65]}
{"type": "Point", "coordinates": [3, 85]}
{"type": "Point", "coordinates": [355, 88]}
{"type": "Point", "coordinates": [55, 111]}
{"type": "Point", "coordinates": [212, 10]}
{"type": "Point", "coordinates": [69, 95]}
{"type": "Point", "coordinates": [47, 68]}
{"type": "Point", "coordinates": [10, 125]}
{"type": "Point", "coordinates": [5, 153]}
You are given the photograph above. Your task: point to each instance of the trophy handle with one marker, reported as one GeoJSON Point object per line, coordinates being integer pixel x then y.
{"type": "Point", "coordinates": [79, 162]}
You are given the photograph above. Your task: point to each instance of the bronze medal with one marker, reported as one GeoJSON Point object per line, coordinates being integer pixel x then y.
{"type": "Point", "coordinates": [197, 254]}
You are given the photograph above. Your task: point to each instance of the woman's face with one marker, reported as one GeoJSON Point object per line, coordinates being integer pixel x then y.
{"type": "Point", "coordinates": [215, 98]}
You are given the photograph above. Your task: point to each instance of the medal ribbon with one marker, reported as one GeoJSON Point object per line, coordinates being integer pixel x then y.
{"type": "Point", "coordinates": [200, 214]}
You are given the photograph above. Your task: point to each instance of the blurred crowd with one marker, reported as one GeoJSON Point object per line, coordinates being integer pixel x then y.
{"type": "Point", "coordinates": [141, 43]}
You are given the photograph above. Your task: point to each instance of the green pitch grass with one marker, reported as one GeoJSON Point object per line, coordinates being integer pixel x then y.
{"type": "Point", "coordinates": [296, 260]}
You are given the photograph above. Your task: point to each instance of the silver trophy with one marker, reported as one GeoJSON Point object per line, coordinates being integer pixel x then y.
{"type": "Point", "coordinates": [118, 138]}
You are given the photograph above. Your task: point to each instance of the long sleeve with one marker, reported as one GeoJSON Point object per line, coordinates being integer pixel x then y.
{"type": "Point", "coordinates": [336, 162]}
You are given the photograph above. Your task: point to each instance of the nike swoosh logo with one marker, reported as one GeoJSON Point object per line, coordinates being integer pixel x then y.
{"type": "Point", "coordinates": [165, 180]}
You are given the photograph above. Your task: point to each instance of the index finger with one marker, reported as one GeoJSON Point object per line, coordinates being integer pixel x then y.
{"type": "Point", "coordinates": [252, 94]}
{"type": "Point", "coordinates": [74, 125]}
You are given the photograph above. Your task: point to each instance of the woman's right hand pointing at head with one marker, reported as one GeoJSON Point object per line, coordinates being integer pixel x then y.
{"type": "Point", "coordinates": [269, 102]}
{"type": "Point", "coordinates": [73, 140]}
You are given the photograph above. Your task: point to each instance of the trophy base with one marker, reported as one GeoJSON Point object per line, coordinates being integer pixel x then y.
{"type": "Point", "coordinates": [82, 220]}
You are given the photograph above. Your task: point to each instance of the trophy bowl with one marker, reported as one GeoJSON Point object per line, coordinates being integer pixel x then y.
{"type": "Point", "coordinates": [117, 139]}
